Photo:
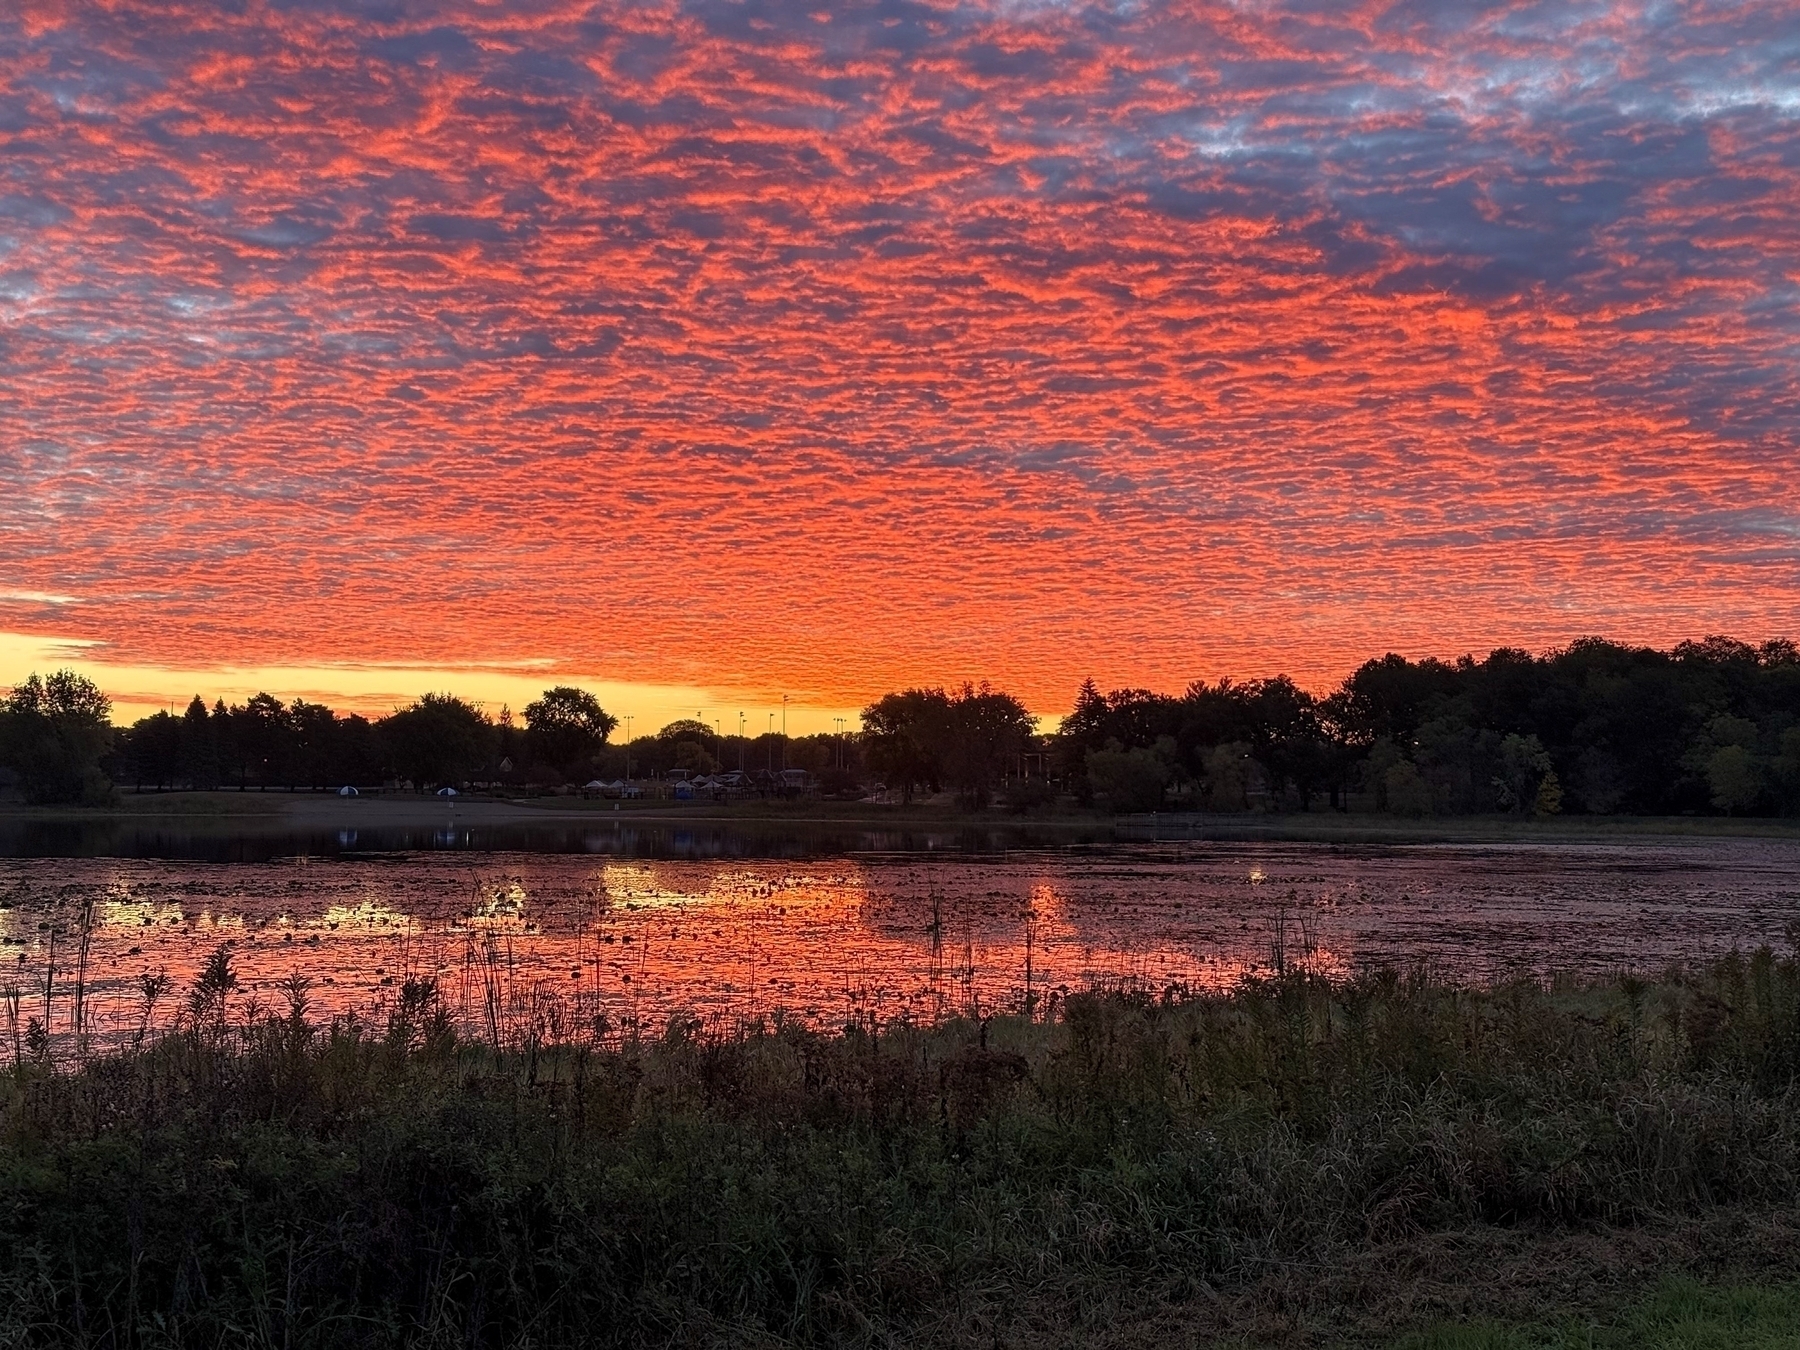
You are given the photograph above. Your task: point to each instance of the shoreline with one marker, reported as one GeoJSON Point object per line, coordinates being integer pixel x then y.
{"type": "Point", "coordinates": [261, 812]}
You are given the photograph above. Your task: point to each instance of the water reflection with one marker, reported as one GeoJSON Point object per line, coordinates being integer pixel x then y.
{"type": "Point", "coordinates": [632, 938]}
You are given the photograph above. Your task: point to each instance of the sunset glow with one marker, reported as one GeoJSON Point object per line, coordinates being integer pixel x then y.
{"type": "Point", "coordinates": [726, 350]}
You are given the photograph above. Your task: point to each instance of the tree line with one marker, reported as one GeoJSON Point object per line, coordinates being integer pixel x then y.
{"type": "Point", "coordinates": [57, 745]}
{"type": "Point", "coordinates": [1595, 727]}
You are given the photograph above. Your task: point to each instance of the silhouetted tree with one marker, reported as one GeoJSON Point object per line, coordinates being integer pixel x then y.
{"type": "Point", "coordinates": [149, 751]}
{"type": "Point", "coordinates": [53, 734]}
{"type": "Point", "coordinates": [437, 741]}
{"type": "Point", "coordinates": [311, 749]}
{"type": "Point", "coordinates": [973, 735]}
{"type": "Point", "coordinates": [358, 760]}
{"type": "Point", "coordinates": [566, 728]}
{"type": "Point", "coordinates": [1701, 727]}
{"type": "Point", "coordinates": [1391, 696]}
{"type": "Point", "coordinates": [900, 740]}
{"type": "Point", "coordinates": [200, 762]}
{"type": "Point", "coordinates": [1707, 726]}
{"type": "Point", "coordinates": [1286, 736]}
{"type": "Point", "coordinates": [1086, 725]}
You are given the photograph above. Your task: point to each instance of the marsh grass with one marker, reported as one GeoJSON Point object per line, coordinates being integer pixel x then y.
{"type": "Point", "coordinates": [253, 1178]}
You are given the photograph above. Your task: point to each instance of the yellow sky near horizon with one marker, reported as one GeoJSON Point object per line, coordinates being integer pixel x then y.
{"type": "Point", "coordinates": [138, 690]}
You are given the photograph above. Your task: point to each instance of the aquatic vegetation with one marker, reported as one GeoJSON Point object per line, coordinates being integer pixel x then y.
{"type": "Point", "coordinates": [915, 934]}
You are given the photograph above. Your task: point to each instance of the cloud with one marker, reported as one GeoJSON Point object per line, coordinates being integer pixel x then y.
{"type": "Point", "coordinates": [36, 598]}
{"type": "Point", "coordinates": [766, 345]}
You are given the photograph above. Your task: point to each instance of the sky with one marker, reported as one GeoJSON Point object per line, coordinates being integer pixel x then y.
{"type": "Point", "coordinates": [704, 353]}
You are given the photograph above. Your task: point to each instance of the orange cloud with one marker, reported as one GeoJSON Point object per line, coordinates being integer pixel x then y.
{"type": "Point", "coordinates": [717, 346]}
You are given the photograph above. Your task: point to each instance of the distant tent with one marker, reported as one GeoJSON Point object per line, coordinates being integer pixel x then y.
{"type": "Point", "coordinates": [348, 791]}
{"type": "Point", "coordinates": [596, 786]}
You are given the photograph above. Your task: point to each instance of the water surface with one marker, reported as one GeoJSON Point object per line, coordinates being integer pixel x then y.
{"type": "Point", "coordinates": [732, 924]}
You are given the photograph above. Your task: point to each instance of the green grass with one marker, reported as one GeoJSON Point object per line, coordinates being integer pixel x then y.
{"type": "Point", "coordinates": [252, 1178]}
{"type": "Point", "coordinates": [127, 803]}
{"type": "Point", "coordinates": [1682, 1315]}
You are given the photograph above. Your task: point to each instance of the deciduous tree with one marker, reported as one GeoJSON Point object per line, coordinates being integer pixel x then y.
{"type": "Point", "coordinates": [53, 734]}
{"type": "Point", "coordinates": [566, 728]}
{"type": "Point", "coordinates": [438, 740]}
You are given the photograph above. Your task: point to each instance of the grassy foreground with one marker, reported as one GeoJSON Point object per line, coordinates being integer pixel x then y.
{"type": "Point", "coordinates": [1681, 1316]}
{"type": "Point", "coordinates": [1291, 1163]}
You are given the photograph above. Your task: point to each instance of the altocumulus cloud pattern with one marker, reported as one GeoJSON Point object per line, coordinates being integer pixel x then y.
{"type": "Point", "coordinates": [825, 346]}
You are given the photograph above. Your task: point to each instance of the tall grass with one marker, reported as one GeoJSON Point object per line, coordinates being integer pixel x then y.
{"type": "Point", "coordinates": [259, 1179]}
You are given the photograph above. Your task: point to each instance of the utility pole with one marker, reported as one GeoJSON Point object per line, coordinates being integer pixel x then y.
{"type": "Point", "coordinates": [784, 703]}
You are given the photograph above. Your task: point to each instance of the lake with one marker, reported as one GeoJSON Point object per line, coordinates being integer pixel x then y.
{"type": "Point", "coordinates": [557, 925]}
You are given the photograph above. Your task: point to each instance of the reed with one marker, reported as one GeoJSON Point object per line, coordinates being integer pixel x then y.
{"type": "Point", "coordinates": [254, 1177]}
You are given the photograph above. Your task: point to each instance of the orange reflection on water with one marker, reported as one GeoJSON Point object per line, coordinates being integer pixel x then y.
{"type": "Point", "coordinates": [565, 942]}
{"type": "Point", "coordinates": [626, 942]}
